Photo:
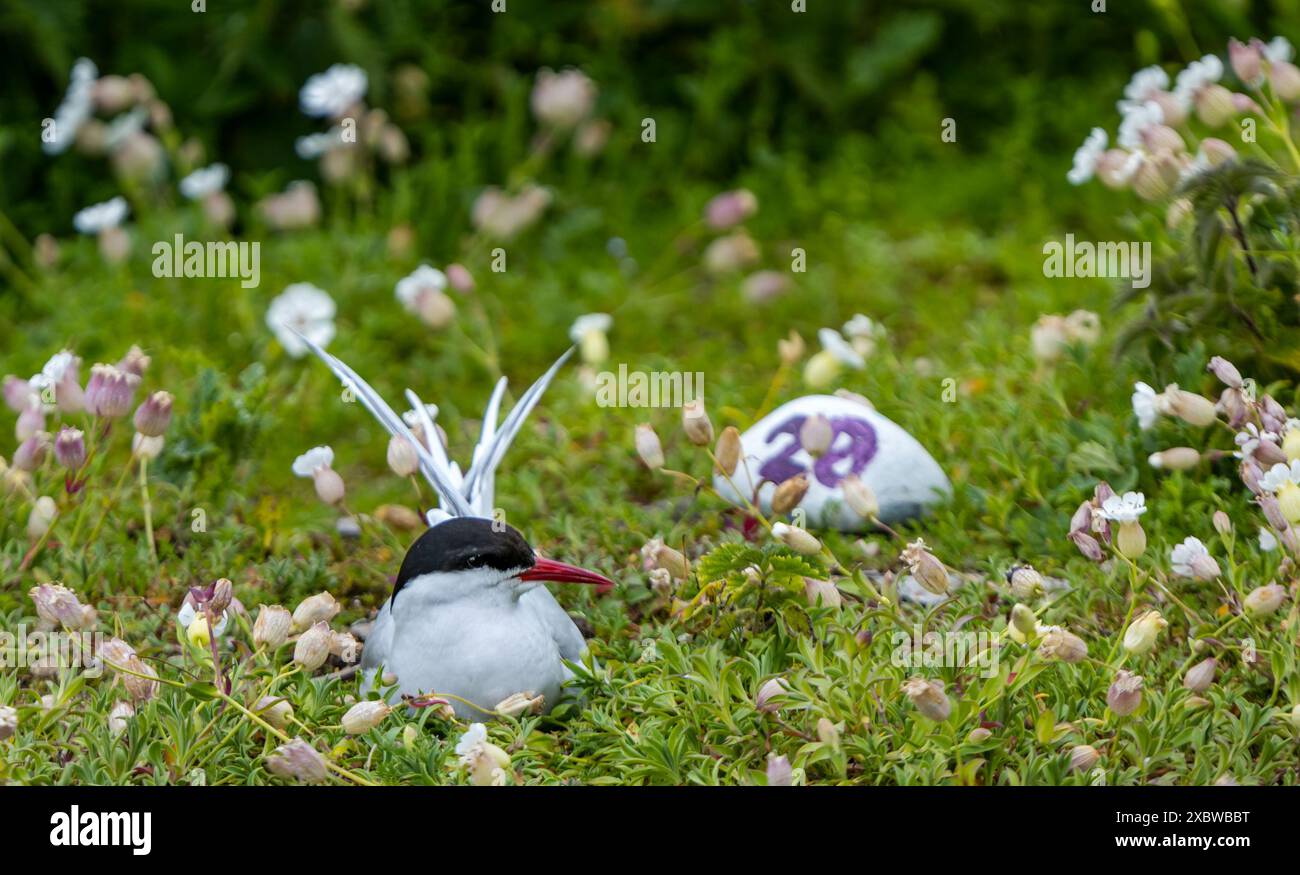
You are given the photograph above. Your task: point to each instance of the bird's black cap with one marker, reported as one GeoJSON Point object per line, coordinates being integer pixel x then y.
{"type": "Point", "coordinates": [462, 543]}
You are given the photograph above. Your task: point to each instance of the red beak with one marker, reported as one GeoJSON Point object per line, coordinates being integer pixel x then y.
{"type": "Point", "coordinates": [560, 572]}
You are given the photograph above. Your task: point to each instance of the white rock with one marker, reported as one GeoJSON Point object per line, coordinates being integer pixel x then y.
{"type": "Point", "coordinates": [905, 478]}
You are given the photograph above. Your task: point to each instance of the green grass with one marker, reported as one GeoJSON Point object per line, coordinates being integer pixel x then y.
{"type": "Point", "coordinates": [673, 699]}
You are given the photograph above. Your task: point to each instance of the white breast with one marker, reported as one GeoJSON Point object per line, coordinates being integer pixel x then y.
{"type": "Point", "coordinates": [477, 640]}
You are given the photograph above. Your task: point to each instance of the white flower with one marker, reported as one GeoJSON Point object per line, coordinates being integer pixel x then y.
{"type": "Point", "coordinates": [1144, 85]}
{"type": "Point", "coordinates": [205, 181]}
{"type": "Point", "coordinates": [1198, 74]}
{"type": "Point", "coordinates": [187, 615]}
{"type": "Point", "coordinates": [1249, 440]}
{"type": "Point", "coordinates": [316, 145]}
{"type": "Point", "coordinates": [421, 279]}
{"type": "Point", "coordinates": [334, 92]}
{"type": "Point", "coordinates": [125, 126]}
{"type": "Point", "coordinates": [834, 343]}
{"type": "Point", "coordinates": [1086, 157]}
{"type": "Point", "coordinates": [1267, 542]}
{"type": "Point", "coordinates": [312, 461]}
{"type": "Point", "coordinates": [1135, 123]}
{"type": "Point", "coordinates": [52, 375]}
{"type": "Point", "coordinates": [1146, 405]}
{"type": "Point", "coordinates": [303, 308]}
{"type": "Point", "coordinates": [77, 106]}
{"type": "Point", "coordinates": [1124, 508]}
{"type": "Point", "coordinates": [1280, 475]}
{"type": "Point", "coordinates": [96, 218]}
{"type": "Point", "coordinates": [598, 322]}
{"type": "Point", "coordinates": [1278, 49]}
{"type": "Point", "coordinates": [1184, 557]}
{"type": "Point", "coordinates": [475, 736]}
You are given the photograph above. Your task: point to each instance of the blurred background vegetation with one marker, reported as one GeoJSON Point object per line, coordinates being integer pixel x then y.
{"type": "Point", "coordinates": [731, 83]}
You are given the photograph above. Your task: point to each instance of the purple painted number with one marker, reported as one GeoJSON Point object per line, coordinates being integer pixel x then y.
{"type": "Point", "coordinates": [859, 448]}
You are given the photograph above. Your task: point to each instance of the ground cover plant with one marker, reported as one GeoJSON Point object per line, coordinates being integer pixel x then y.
{"type": "Point", "coordinates": [198, 502]}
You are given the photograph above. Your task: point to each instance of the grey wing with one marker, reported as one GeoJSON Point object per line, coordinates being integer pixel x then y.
{"type": "Point", "coordinates": [562, 628]}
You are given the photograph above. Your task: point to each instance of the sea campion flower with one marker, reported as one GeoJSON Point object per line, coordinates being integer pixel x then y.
{"type": "Point", "coordinates": [320, 608]}
{"type": "Point", "coordinates": [926, 568]}
{"type": "Point", "coordinates": [562, 100]}
{"type": "Point", "coordinates": [44, 511]}
{"type": "Point", "coordinates": [365, 716]}
{"type": "Point", "coordinates": [99, 217]}
{"type": "Point", "coordinates": [789, 493]}
{"type": "Point", "coordinates": [860, 497]}
{"type": "Point", "coordinates": [929, 698]}
{"type": "Point", "coordinates": [1057, 643]}
{"type": "Point", "coordinates": [730, 254]}
{"type": "Point", "coordinates": [648, 446]}
{"type": "Point", "coordinates": [274, 710]}
{"type": "Point", "coordinates": [333, 93]}
{"type": "Point", "coordinates": [305, 309]}
{"type": "Point", "coordinates": [77, 108]}
{"type": "Point", "coordinates": [154, 414]}
{"type": "Point", "coordinates": [1146, 405]}
{"type": "Point", "coordinates": [58, 382]}
{"type": "Point", "coordinates": [313, 647]}
{"type": "Point", "coordinates": [486, 762]}
{"type": "Point", "coordinates": [729, 209]}
{"type": "Point", "coordinates": [797, 539]}
{"type": "Point", "coordinates": [589, 333]}
{"type": "Point", "coordinates": [1141, 635]}
{"type": "Point", "coordinates": [297, 206]}
{"type": "Point", "coordinates": [696, 423]}
{"type": "Point", "coordinates": [836, 353]}
{"type": "Point", "coordinates": [764, 700]}
{"type": "Point", "coordinates": [1283, 481]}
{"type": "Point", "coordinates": [1262, 446]}
{"type": "Point", "coordinates": [205, 181]}
{"type": "Point", "coordinates": [779, 771]}
{"type": "Point", "coordinates": [315, 463]}
{"type": "Point", "coordinates": [110, 391]}
{"type": "Point", "coordinates": [727, 451]}
{"type": "Point", "coordinates": [863, 334]}
{"type": "Point", "coordinates": [31, 452]}
{"type": "Point", "coordinates": [815, 435]}
{"type": "Point", "coordinates": [1264, 600]}
{"type": "Point", "coordinates": [1125, 510]}
{"type": "Point", "coordinates": [298, 761]}
{"type": "Point", "coordinates": [1125, 693]}
{"type": "Point", "coordinates": [70, 448]}
{"type": "Point", "coordinates": [1200, 677]}
{"type": "Point", "coordinates": [1083, 757]}
{"type": "Point", "coordinates": [1192, 559]}
{"type": "Point", "coordinates": [402, 458]}
{"type": "Point", "coordinates": [1188, 406]}
{"type": "Point", "coordinates": [423, 294]}
{"type": "Point", "coordinates": [137, 676]}
{"type": "Point", "coordinates": [502, 216]}
{"type": "Point", "coordinates": [272, 627]}
{"type": "Point", "coordinates": [1175, 459]}
{"type": "Point", "coordinates": [1087, 157]}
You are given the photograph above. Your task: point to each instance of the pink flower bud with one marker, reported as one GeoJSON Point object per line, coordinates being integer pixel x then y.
{"type": "Point", "coordinates": [298, 761]}
{"type": "Point", "coordinates": [779, 772]}
{"type": "Point", "coordinates": [313, 647]}
{"type": "Point", "coordinates": [1246, 60]}
{"type": "Point", "coordinates": [154, 414]}
{"type": "Point", "coordinates": [70, 448]}
{"type": "Point", "coordinates": [31, 452]}
{"type": "Point", "coordinates": [1125, 693]}
{"type": "Point", "coordinates": [110, 390]}
{"type": "Point", "coordinates": [730, 209]}
{"type": "Point", "coordinates": [648, 447]}
{"type": "Point", "coordinates": [460, 279]}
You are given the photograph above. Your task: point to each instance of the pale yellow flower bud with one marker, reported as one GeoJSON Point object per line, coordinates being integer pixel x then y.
{"type": "Point", "coordinates": [929, 698]}
{"type": "Point", "coordinates": [1264, 600]}
{"type": "Point", "coordinates": [272, 626]}
{"type": "Point", "coordinates": [313, 647]}
{"type": "Point", "coordinates": [797, 539]}
{"type": "Point", "coordinates": [1143, 632]}
{"type": "Point", "coordinates": [648, 447]}
{"type": "Point", "coordinates": [1064, 646]}
{"type": "Point", "coordinates": [365, 716]}
{"type": "Point", "coordinates": [320, 608]}
{"type": "Point", "coordinates": [696, 424]}
{"type": "Point", "coordinates": [1200, 677]}
{"type": "Point", "coordinates": [728, 450]}
{"type": "Point", "coordinates": [789, 493]}
{"type": "Point", "coordinates": [925, 568]}
{"type": "Point", "coordinates": [402, 458]}
{"type": "Point", "coordinates": [859, 497]}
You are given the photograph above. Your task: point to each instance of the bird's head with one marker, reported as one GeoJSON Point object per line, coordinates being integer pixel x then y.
{"type": "Point", "coordinates": [471, 556]}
